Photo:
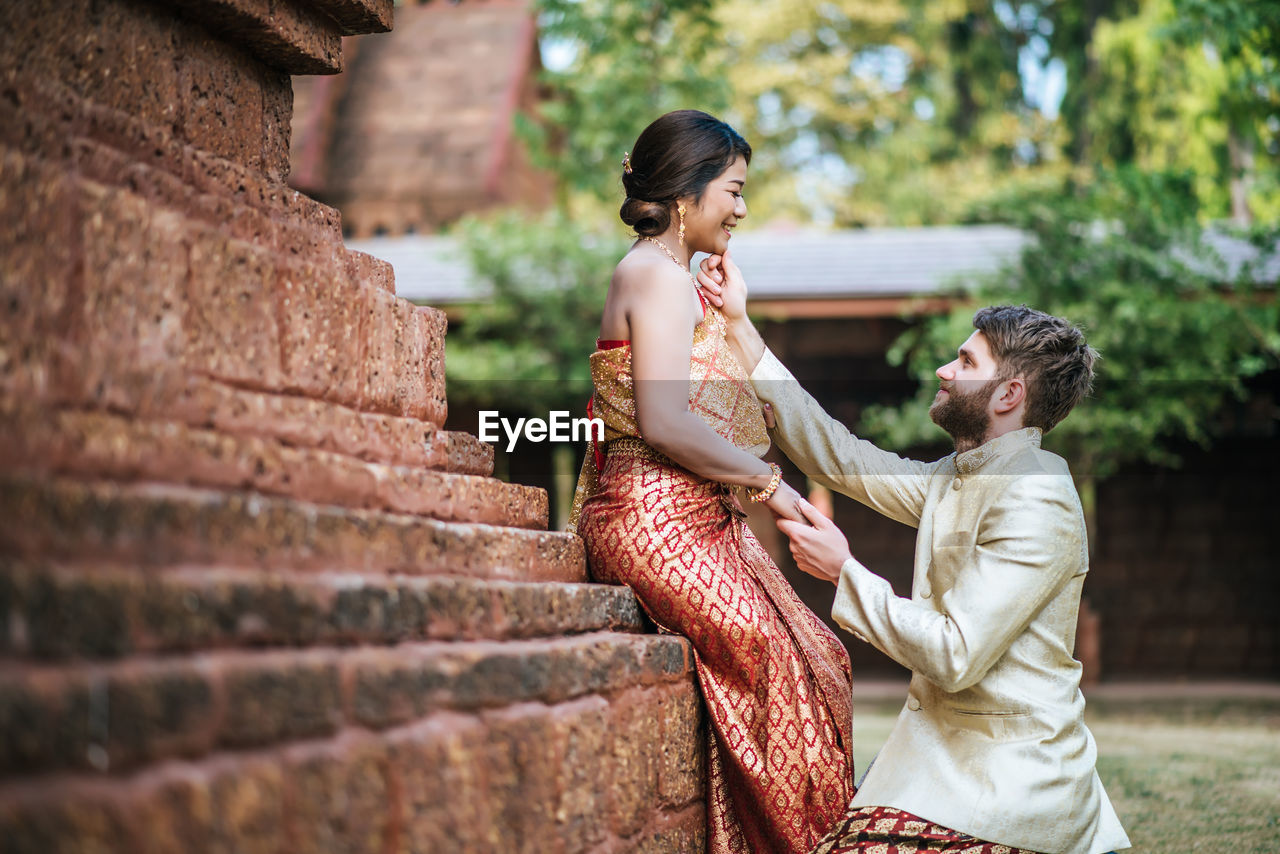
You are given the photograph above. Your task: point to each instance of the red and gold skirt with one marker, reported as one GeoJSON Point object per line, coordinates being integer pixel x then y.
{"type": "Point", "coordinates": [883, 830]}
{"type": "Point", "coordinates": [775, 679]}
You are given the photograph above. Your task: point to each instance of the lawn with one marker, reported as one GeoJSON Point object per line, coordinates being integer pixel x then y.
{"type": "Point", "coordinates": [1195, 775]}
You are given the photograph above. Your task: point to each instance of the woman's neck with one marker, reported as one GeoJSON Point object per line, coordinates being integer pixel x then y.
{"type": "Point", "coordinates": [678, 253]}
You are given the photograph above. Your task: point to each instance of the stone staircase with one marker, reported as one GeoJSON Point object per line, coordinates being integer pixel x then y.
{"type": "Point", "coordinates": [217, 670]}
{"type": "Point", "coordinates": [253, 595]}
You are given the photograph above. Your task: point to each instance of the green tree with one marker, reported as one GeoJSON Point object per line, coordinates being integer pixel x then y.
{"type": "Point", "coordinates": [899, 112]}
{"type": "Point", "coordinates": [525, 347]}
{"type": "Point", "coordinates": [629, 61]}
{"type": "Point", "coordinates": [1178, 330]}
{"type": "Point", "coordinates": [1243, 37]}
{"type": "Point", "coordinates": [1183, 85]}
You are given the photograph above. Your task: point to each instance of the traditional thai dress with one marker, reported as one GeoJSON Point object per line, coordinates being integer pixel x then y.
{"type": "Point", "coordinates": [775, 679]}
{"type": "Point", "coordinates": [885, 830]}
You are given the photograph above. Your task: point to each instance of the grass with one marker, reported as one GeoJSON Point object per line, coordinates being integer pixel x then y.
{"type": "Point", "coordinates": [1185, 775]}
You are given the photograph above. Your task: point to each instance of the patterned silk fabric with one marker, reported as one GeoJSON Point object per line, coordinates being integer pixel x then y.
{"type": "Point", "coordinates": [775, 679]}
{"type": "Point", "coordinates": [884, 830]}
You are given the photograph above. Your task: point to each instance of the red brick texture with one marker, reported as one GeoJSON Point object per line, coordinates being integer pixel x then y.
{"type": "Point", "coordinates": [154, 525]}
{"type": "Point", "coordinates": [253, 597]}
{"type": "Point", "coordinates": [525, 777]}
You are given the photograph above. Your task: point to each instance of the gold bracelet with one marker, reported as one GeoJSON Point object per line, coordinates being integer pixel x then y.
{"type": "Point", "coordinates": [762, 495]}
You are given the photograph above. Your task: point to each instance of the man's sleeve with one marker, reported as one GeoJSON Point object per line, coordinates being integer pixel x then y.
{"type": "Point", "coordinates": [828, 453]}
{"type": "Point", "coordinates": [1029, 544]}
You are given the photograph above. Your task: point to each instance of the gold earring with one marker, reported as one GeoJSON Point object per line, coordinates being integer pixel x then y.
{"type": "Point", "coordinates": [681, 233]}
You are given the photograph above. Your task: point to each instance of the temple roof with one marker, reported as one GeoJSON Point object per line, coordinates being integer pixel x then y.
{"type": "Point", "coordinates": [420, 127]}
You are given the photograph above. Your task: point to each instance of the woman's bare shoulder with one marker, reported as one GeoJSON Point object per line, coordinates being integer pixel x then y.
{"type": "Point", "coordinates": [643, 279]}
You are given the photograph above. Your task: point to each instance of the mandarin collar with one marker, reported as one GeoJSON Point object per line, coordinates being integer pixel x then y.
{"type": "Point", "coordinates": [970, 461]}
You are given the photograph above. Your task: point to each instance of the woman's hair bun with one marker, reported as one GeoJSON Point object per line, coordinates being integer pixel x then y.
{"type": "Point", "coordinates": [649, 219]}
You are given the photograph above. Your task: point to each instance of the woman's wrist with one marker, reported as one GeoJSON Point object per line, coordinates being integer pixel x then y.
{"type": "Point", "coordinates": [755, 482]}
{"type": "Point", "coordinates": [759, 496]}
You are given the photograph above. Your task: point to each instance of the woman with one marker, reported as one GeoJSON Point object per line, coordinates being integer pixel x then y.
{"type": "Point", "coordinates": [656, 511]}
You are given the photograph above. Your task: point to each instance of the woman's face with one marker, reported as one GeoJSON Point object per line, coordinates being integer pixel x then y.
{"type": "Point", "coordinates": [708, 223]}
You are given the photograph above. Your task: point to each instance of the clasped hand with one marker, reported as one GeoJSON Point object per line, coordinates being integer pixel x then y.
{"type": "Point", "coordinates": [818, 546]}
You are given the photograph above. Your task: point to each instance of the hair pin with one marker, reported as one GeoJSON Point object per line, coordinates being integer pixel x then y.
{"type": "Point", "coordinates": [626, 163]}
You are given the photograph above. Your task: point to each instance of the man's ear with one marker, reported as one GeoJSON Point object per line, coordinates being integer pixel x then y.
{"type": "Point", "coordinates": [1010, 395]}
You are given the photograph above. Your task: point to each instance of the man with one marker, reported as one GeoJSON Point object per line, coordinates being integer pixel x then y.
{"type": "Point", "coordinates": [990, 752]}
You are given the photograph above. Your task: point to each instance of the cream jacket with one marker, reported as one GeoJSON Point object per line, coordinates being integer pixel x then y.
{"type": "Point", "coordinates": [991, 741]}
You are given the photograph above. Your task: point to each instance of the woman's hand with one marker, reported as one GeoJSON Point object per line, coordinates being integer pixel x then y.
{"type": "Point", "coordinates": [785, 504]}
{"type": "Point", "coordinates": [722, 284]}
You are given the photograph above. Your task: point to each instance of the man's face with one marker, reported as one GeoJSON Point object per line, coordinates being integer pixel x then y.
{"type": "Point", "coordinates": [962, 405]}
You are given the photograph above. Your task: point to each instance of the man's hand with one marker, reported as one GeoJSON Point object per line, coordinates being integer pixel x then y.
{"type": "Point", "coordinates": [819, 550]}
{"type": "Point", "coordinates": [722, 284]}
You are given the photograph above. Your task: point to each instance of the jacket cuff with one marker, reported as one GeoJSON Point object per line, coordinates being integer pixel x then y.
{"type": "Point", "coordinates": [769, 369]}
{"type": "Point", "coordinates": [848, 609]}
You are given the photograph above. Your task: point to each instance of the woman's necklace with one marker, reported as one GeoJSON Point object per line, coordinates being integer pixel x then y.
{"type": "Point", "coordinates": [672, 256]}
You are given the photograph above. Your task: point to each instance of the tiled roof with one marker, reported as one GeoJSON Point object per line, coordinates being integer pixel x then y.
{"type": "Point", "coordinates": [419, 129]}
{"type": "Point", "coordinates": [878, 262]}
{"type": "Point", "coordinates": [429, 268]}
{"type": "Point", "coordinates": [792, 264]}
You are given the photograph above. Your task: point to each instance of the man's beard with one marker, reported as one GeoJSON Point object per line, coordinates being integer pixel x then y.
{"type": "Point", "coordinates": [964, 415]}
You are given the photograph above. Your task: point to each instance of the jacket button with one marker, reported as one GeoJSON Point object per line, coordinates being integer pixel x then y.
{"type": "Point", "coordinates": [955, 484]}
{"type": "Point", "coordinates": [926, 591]}
{"type": "Point", "coordinates": [913, 704]}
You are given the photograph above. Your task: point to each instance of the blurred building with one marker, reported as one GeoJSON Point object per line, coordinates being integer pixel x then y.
{"type": "Point", "coordinates": [420, 127]}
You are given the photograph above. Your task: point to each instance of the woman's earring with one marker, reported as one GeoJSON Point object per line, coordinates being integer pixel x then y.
{"type": "Point", "coordinates": [681, 233]}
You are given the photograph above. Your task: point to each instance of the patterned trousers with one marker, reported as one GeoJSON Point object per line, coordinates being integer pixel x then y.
{"type": "Point", "coordinates": [884, 830]}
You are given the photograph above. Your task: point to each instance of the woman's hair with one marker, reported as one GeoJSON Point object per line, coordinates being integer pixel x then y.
{"type": "Point", "coordinates": [677, 155]}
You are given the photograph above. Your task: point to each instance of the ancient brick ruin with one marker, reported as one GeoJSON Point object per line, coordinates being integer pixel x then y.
{"type": "Point", "coordinates": [253, 597]}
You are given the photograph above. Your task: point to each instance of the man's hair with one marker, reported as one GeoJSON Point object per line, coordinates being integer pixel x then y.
{"type": "Point", "coordinates": [1047, 351]}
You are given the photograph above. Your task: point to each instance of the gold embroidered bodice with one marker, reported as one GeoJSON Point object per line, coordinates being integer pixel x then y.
{"type": "Point", "coordinates": [719, 393]}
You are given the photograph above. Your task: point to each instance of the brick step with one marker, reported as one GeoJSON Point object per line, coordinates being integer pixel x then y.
{"type": "Point", "coordinates": [161, 525]}
{"type": "Point", "coordinates": [52, 611]}
{"type": "Point", "coordinates": [109, 717]}
{"type": "Point", "coordinates": [100, 445]}
{"type": "Point", "coordinates": [182, 284]}
{"type": "Point", "coordinates": [623, 774]}
{"type": "Point", "coordinates": [371, 270]}
{"type": "Point", "coordinates": [304, 422]}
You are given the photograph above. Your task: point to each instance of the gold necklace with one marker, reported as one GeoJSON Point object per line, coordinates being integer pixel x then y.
{"type": "Point", "coordinates": [672, 256]}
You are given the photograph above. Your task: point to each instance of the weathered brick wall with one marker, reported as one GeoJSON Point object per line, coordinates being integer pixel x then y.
{"type": "Point", "coordinates": [253, 596]}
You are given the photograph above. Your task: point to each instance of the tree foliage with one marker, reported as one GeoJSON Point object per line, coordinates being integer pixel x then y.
{"type": "Point", "coordinates": [1179, 87]}
{"type": "Point", "coordinates": [526, 346]}
{"type": "Point", "coordinates": [629, 61]}
{"type": "Point", "coordinates": [1179, 330]}
{"type": "Point", "coordinates": [897, 112]}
